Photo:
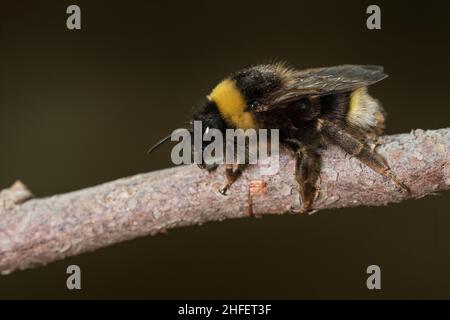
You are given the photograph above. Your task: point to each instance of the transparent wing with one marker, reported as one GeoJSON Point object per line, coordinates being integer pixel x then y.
{"type": "Point", "coordinates": [324, 81]}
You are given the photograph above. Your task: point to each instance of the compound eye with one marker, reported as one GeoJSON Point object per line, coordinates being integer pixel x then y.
{"type": "Point", "coordinates": [254, 104]}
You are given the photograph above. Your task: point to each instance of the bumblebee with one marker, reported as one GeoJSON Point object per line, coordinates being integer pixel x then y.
{"type": "Point", "coordinates": [312, 108]}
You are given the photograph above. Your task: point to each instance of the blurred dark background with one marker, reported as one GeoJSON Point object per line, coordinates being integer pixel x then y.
{"type": "Point", "coordinates": [78, 108]}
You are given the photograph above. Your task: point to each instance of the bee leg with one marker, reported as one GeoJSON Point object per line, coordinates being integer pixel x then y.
{"type": "Point", "coordinates": [307, 171]}
{"type": "Point", "coordinates": [208, 167]}
{"type": "Point", "coordinates": [231, 176]}
{"type": "Point", "coordinates": [359, 149]}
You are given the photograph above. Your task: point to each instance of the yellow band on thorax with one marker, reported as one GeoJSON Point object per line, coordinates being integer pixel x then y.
{"type": "Point", "coordinates": [231, 104]}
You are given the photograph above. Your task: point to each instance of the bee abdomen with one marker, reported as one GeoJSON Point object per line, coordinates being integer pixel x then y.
{"type": "Point", "coordinates": [365, 111]}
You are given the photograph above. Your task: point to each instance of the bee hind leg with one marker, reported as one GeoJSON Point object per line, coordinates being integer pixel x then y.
{"type": "Point", "coordinates": [377, 163]}
{"type": "Point", "coordinates": [337, 135]}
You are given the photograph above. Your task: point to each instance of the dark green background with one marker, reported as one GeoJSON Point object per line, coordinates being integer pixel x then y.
{"type": "Point", "coordinates": [78, 108]}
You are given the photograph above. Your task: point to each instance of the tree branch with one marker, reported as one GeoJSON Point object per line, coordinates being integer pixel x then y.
{"type": "Point", "coordinates": [38, 231]}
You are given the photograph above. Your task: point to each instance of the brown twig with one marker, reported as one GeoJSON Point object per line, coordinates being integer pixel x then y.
{"type": "Point", "coordinates": [38, 231]}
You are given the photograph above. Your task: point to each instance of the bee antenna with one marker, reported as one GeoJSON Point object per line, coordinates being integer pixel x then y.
{"type": "Point", "coordinates": [160, 142]}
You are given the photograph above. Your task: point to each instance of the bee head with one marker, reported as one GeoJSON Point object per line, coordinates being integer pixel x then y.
{"type": "Point", "coordinates": [209, 117]}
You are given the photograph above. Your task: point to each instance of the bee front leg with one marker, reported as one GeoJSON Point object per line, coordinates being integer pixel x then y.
{"type": "Point", "coordinates": [231, 176]}
{"type": "Point", "coordinates": [307, 171]}
{"type": "Point", "coordinates": [208, 167]}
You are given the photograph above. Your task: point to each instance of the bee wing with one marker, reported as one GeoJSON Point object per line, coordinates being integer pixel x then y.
{"type": "Point", "coordinates": [324, 81]}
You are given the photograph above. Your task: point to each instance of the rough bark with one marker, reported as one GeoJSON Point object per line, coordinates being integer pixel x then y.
{"type": "Point", "coordinates": [38, 231]}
